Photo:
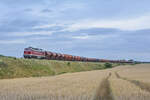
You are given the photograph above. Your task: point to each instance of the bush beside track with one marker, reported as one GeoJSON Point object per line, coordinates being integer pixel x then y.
{"type": "Point", "coordinates": [18, 67]}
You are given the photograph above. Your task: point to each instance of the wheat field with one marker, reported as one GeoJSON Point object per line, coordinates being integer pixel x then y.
{"type": "Point", "coordinates": [129, 82]}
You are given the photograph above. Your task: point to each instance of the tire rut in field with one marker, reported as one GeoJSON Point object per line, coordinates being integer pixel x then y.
{"type": "Point", "coordinates": [142, 85]}
{"type": "Point", "coordinates": [104, 91]}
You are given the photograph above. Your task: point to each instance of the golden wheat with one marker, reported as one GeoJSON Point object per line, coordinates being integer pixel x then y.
{"type": "Point", "coordinates": [79, 86]}
{"type": "Point", "coordinates": [76, 86]}
{"type": "Point", "coordinates": [125, 90]}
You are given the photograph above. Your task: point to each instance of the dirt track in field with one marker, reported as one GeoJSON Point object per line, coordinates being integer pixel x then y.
{"type": "Point", "coordinates": [104, 91]}
{"type": "Point", "coordinates": [90, 85]}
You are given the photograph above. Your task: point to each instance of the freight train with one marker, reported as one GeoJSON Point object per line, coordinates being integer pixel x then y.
{"type": "Point", "coordinates": [37, 53]}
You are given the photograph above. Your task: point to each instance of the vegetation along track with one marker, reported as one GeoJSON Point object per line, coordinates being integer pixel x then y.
{"type": "Point", "coordinates": [142, 85]}
{"type": "Point", "coordinates": [104, 91]}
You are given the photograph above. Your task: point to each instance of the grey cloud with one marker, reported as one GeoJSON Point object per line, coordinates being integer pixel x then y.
{"type": "Point", "coordinates": [46, 10]}
{"type": "Point", "coordinates": [17, 25]}
{"type": "Point", "coordinates": [28, 10]}
{"type": "Point", "coordinates": [17, 2]}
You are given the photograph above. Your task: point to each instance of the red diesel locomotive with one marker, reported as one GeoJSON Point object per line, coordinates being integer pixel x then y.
{"type": "Point", "coordinates": [31, 52]}
{"type": "Point", "coordinates": [34, 53]}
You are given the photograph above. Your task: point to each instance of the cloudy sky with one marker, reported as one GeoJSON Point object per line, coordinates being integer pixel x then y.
{"type": "Point", "coordinates": [110, 29]}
